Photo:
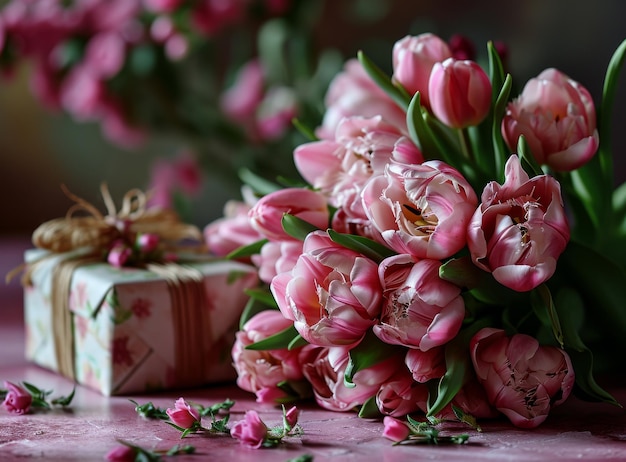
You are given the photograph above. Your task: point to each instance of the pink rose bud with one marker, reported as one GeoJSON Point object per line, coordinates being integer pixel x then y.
{"type": "Point", "coordinates": [17, 400]}
{"type": "Point", "coordinates": [395, 430]}
{"type": "Point", "coordinates": [147, 242]}
{"type": "Point", "coordinates": [460, 93]}
{"type": "Point", "coordinates": [557, 117]}
{"type": "Point", "coordinates": [183, 414]}
{"type": "Point", "coordinates": [119, 254]}
{"type": "Point", "coordinates": [291, 416]}
{"type": "Point", "coordinates": [267, 214]}
{"type": "Point", "coordinates": [520, 228]}
{"type": "Point", "coordinates": [121, 453]}
{"type": "Point", "coordinates": [251, 431]}
{"type": "Point", "coordinates": [523, 380]}
{"type": "Point", "coordinates": [413, 59]}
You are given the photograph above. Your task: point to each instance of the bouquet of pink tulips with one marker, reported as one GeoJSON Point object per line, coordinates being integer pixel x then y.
{"type": "Point", "coordinates": [457, 250]}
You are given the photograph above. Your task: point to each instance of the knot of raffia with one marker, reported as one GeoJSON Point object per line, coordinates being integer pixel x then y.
{"type": "Point", "coordinates": [133, 235]}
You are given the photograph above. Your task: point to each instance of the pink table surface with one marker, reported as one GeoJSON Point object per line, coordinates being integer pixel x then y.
{"type": "Point", "coordinates": [574, 431]}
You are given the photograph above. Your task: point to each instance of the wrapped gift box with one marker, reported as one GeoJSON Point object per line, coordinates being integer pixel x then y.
{"type": "Point", "coordinates": [127, 330]}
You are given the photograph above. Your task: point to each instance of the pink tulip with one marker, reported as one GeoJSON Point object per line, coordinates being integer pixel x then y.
{"type": "Point", "coordinates": [420, 310]}
{"type": "Point", "coordinates": [332, 294]}
{"type": "Point", "coordinates": [105, 54]}
{"type": "Point", "coordinates": [244, 96]}
{"type": "Point", "coordinates": [267, 214]}
{"type": "Point", "coordinates": [557, 117]}
{"type": "Point", "coordinates": [275, 112]}
{"type": "Point", "coordinates": [413, 60]}
{"type": "Point", "coordinates": [339, 169]}
{"type": "Point", "coordinates": [400, 394]}
{"type": "Point", "coordinates": [520, 228]}
{"type": "Point", "coordinates": [183, 415]}
{"type": "Point", "coordinates": [324, 368]}
{"type": "Point", "coordinates": [83, 95]}
{"type": "Point", "coordinates": [472, 399]}
{"type": "Point", "coordinates": [395, 430]}
{"type": "Point", "coordinates": [459, 92]}
{"type": "Point", "coordinates": [251, 431]}
{"type": "Point", "coordinates": [260, 371]}
{"type": "Point", "coordinates": [276, 257]}
{"type": "Point", "coordinates": [422, 209]}
{"type": "Point", "coordinates": [17, 400]}
{"type": "Point", "coordinates": [523, 380]}
{"type": "Point", "coordinates": [231, 231]}
{"type": "Point", "coordinates": [353, 93]}
{"type": "Point", "coordinates": [210, 16]}
{"type": "Point", "coordinates": [425, 365]}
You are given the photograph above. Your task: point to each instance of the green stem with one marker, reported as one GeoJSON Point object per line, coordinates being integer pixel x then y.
{"type": "Point", "coordinates": [466, 144]}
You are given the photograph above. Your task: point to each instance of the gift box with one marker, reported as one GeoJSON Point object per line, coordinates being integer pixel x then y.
{"type": "Point", "coordinates": [124, 330]}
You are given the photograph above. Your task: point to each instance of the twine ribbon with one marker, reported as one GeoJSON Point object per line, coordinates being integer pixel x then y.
{"type": "Point", "coordinates": [95, 233]}
{"type": "Point", "coordinates": [191, 321]}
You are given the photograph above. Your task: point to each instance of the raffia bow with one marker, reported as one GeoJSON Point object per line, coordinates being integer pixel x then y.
{"type": "Point", "coordinates": [95, 233]}
{"type": "Point", "coordinates": [99, 231]}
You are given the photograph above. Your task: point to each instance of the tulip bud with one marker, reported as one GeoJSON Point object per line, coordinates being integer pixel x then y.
{"type": "Point", "coordinates": [459, 92]}
{"type": "Point", "coordinates": [413, 59]}
{"type": "Point", "coordinates": [395, 430]}
{"type": "Point", "coordinates": [557, 117]}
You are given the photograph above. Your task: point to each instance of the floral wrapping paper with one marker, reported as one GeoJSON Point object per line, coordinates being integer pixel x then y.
{"type": "Point", "coordinates": [123, 334]}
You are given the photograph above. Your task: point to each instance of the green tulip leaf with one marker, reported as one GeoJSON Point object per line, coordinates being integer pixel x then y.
{"type": "Point", "coordinates": [529, 164]}
{"type": "Point", "coordinates": [500, 149]}
{"type": "Point", "coordinates": [370, 351]}
{"type": "Point", "coordinates": [496, 71]}
{"type": "Point", "coordinates": [304, 130]}
{"type": "Point", "coordinates": [571, 308]}
{"type": "Point", "coordinates": [543, 306]}
{"type": "Point", "coordinates": [369, 409]}
{"type": "Point", "coordinates": [247, 250]}
{"type": "Point", "coordinates": [263, 296]}
{"type": "Point", "coordinates": [362, 245]}
{"type": "Point", "coordinates": [398, 94]}
{"type": "Point", "coordinates": [602, 284]}
{"type": "Point", "coordinates": [297, 227]}
{"type": "Point", "coordinates": [449, 385]}
{"type": "Point", "coordinates": [278, 341]}
{"type": "Point", "coordinates": [252, 308]}
{"type": "Point", "coordinates": [611, 81]}
{"type": "Point", "coordinates": [259, 184]}
{"type": "Point", "coordinates": [297, 342]}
